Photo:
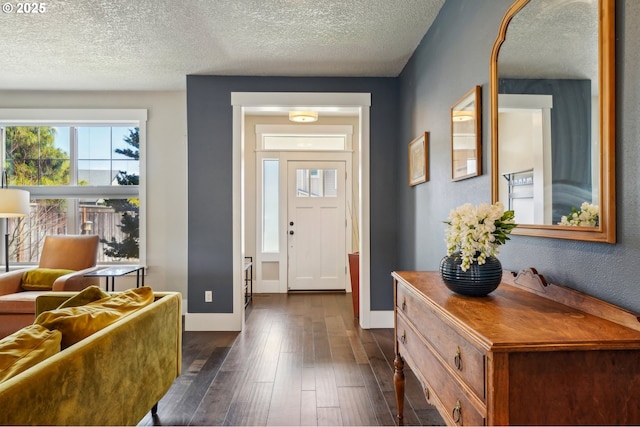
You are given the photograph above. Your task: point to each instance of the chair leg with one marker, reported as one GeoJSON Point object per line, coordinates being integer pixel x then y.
{"type": "Point", "coordinates": [154, 410]}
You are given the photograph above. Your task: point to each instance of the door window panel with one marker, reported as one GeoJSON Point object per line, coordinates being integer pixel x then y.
{"type": "Point", "coordinates": [302, 183]}
{"type": "Point", "coordinates": [330, 183]}
{"type": "Point", "coordinates": [316, 183]}
{"type": "Point", "coordinates": [270, 203]}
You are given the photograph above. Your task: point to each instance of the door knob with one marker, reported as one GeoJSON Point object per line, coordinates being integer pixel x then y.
{"type": "Point", "coordinates": [291, 223]}
{"type": "Point", "coordinates": [291, 232]}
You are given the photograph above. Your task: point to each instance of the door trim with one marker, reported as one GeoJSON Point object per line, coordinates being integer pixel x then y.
{"type": "Point", "coordinates": [242, 100]}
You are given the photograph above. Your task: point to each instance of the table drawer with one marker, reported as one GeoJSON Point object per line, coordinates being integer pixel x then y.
{"type": "Point", "coordinates": [465, 359]}
{"type": "Point", "coordinates": [441, 388]}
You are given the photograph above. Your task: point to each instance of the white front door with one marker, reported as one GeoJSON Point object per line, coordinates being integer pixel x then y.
{"type": "Point", "coordinates": [316, 225]}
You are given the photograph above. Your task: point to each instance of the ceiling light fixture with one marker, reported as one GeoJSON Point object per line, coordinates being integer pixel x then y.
{"type": "Point", "coordinates": [462, 116]}
{"type": "Point", "coordinates": [303, 116]}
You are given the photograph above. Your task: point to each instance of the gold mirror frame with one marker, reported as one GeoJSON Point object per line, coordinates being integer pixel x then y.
{"type": "Point", "coordinates": [606, 230]}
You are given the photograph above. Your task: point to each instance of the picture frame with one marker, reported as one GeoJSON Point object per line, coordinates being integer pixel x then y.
{"type": "Point", "coordinates": [418, 154]}
{"type": "Point", "coordinates": [466, 135]}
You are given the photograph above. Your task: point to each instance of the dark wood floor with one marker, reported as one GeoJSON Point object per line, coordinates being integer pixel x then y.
{"type": "Point", "coordinates": [301, 360]}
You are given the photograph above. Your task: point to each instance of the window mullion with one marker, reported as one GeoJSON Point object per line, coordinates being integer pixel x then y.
{"type": "Point", "coordinates": [3, 149]}
{"type": "Point", "coordinates": [73, 224]}
{"type": "Point", "coordinates": [73, 156]}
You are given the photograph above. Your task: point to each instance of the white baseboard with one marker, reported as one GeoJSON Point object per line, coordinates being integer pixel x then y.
{"type": "Point", "coordinates": [229, 322]}
{"type": "Point", "coordinates": [267, 287]}
{"type": "Point", "coordinates": [379, 319]}
{"type": "Point", "coordinates": [212, 322]}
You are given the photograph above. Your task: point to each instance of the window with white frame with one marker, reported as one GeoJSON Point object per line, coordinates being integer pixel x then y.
{"type": "Point", "coordinates": [83, 177]}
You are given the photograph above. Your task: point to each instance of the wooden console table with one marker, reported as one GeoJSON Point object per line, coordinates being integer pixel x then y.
{"type": "Point", "coordinates": [529, 353]}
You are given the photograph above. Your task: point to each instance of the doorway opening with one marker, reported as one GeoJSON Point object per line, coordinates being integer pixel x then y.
{"type": "Point", "coordinates": [297, 227]}
{"type": "Point", "coordinates": [272, 107]}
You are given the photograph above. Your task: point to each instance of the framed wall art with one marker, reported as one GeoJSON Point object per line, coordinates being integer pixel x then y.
{"type": "Point", "coordinates": [466, 136]}
{"type": "Point", "coordinates": [419, 160]}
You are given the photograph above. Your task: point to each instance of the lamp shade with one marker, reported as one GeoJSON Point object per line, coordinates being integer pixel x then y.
{"type": "Point", "coordinates": [13, 203]}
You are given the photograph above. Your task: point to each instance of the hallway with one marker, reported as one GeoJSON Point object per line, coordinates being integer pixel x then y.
{"type": "Point", "coordinates": [302, 360]}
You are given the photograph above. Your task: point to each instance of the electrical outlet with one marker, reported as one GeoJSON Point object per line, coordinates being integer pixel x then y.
{"type": "Point", "coordinates": [208, 296]}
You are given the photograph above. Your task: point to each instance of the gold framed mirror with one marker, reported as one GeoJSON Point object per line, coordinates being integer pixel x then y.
{"type": "Point", "coordinates": [553, 118]}
{"type": "Point", "coordinates": [466, 136]}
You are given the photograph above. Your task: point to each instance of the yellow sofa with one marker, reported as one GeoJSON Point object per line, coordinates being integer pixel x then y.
{"type": "Point", "coordinates": [113, 377]}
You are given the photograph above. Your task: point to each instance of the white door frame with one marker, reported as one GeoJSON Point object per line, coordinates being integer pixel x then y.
{"type": "Point", "coordinates": [242, 100]}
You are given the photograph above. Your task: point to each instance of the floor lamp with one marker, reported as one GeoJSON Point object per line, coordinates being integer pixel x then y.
{"type": "Point", "coordinates": [14, 203]}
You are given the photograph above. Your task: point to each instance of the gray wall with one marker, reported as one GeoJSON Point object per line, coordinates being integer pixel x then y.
{"type": "Point", "coordinates": [406, 224]}
{"type": "Point", "coordinates": [570, 138]}
{"type": "Point", "coordinates": [209, 125]}
{"type": "Point", "coordinates": [452, 58]}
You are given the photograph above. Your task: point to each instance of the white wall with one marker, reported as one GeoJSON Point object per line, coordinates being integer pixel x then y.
{"type": "Point", "coordinates": [166, 172]}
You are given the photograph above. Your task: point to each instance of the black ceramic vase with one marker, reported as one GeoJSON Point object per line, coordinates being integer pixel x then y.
{"type": "Point", "coordinates": [477, 281]}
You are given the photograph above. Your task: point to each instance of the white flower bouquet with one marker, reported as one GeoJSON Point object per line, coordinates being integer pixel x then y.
{"type": "Point", "coordinates": [477, 231]}
{"type": "Point", "coordinates": [586, 216]}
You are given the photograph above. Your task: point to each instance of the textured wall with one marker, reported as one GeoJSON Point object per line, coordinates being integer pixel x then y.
{"type": "Point", "coordinates": [209, 124]}
{"type": "Point", "coordinates": [452, 58]}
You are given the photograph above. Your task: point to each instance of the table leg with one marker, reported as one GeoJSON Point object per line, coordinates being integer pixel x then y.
{"type": "Point", "coordinates": [398, 381]}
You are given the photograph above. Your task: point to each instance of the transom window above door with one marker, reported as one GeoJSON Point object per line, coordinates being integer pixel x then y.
{"type": "Point", "coordinates": [304, 137]}
{"type": "Point", "coordinates": [305, 142]}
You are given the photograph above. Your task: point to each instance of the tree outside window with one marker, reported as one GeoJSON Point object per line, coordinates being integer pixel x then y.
{"type": "Point", "coordinates": [128, 247]}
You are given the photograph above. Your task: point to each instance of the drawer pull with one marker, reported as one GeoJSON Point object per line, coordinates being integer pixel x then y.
{"type": "Point", "coordinates": [457, 413]}
{"type": "Point", "coordinates": [403, 337]}
{"type": "Point", "coordinates": [404, 303]}
{"type": "Point", "coordinates": [457, 360]}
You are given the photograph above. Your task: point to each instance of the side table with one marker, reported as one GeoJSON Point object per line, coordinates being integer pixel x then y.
{"type": "Point", "coordinates": [248, 280]}
{"type": "Point", "coordinates": [113, 272]}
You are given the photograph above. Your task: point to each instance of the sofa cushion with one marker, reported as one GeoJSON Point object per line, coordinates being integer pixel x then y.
{"type": "Point", "coordinates": [25, 348]}
{"type": "Point", "coordinates": [87, 295]}
{"type": "Point", "coordinates": [20, 302]}
{"type": "Point", "coordinates": [41, 279]}
{"type": "Point", "coordinates": [77, 323]}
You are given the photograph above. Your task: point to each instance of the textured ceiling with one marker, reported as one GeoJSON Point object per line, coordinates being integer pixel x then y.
{"type": "Point", "coordinates": [154, 44]}
{"type": "Point", "coordinates": [554, 39]}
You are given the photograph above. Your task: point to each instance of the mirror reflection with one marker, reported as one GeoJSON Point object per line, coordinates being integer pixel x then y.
{"type": "Point", "coordinates": [548, 114]}
{"type": "Point", "coordinates": [465, 136]}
